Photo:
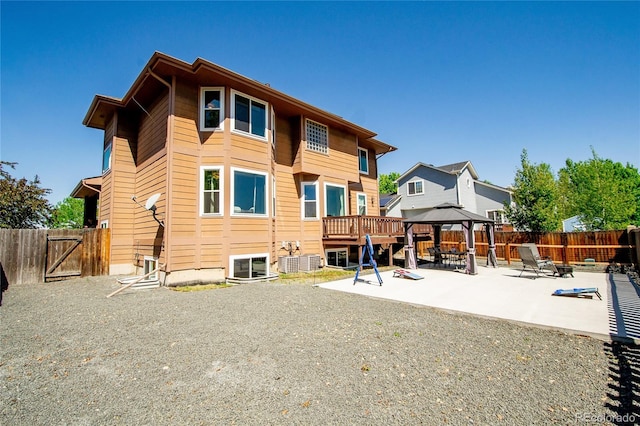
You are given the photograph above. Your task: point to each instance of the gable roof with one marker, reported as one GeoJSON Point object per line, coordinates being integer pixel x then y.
{"type": "Point", "coordinates": [161, 68]}
{"type": "Point", "coordinates": [457, 168]}
{"type": "Point", "coordinates": [490, 185]}
{"type": "Point", "coordinates": [447, 213]}
{"type": "Point", "coordinates": [450, 169]}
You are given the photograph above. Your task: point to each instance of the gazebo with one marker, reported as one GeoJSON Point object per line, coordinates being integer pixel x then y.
{"type": "Point", "coordinates": [450, 214]}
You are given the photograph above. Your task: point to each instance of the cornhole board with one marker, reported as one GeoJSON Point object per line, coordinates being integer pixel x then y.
{"type": "Point", "coordinates": [577, 292]}
{"type": "Point", "coordinates": [406, 274]}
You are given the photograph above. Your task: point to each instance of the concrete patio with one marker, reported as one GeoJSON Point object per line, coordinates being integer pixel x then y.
{"type": "Point", "coordinates": [498, 293]}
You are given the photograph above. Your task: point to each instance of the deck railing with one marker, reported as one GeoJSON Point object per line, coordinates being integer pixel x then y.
{"type": "Point", "coordinates": [356, 227]}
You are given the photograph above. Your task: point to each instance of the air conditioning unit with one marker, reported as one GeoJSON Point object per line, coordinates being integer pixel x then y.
{"type": "Point", "coordinates": [309, 262]}
{"type": "Point", "coordinates": [288, 264]}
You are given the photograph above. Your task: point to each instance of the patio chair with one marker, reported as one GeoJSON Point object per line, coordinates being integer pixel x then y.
{"type": "Point", "coordinates": [432, 253]}
{"type": "Point", "coordinates": [538, 266]}
{"type": "Point", "coordinates": [536, 253]}
{"type": "Point", "coordinates": [457, 257]}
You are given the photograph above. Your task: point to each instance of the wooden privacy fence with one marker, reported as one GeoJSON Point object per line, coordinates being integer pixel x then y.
{"type": "Point", "coordinates": [42, 255]}
{"type": "Point", "coordinates": [600, 247]}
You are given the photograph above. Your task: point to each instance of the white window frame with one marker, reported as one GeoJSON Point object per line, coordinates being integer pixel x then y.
{"type": "Point", "coordinates": [235, 93]}
{"type": "Point", "coordinates": [150, 263]}
{"type": "Point", "coordinates": [359, 196]}
{"type": "Point", "coordinates": [108, 146]}
{"type": "Point", "coordinates": [336, 250]}
{"type": "Point", "coordinates": [315, 145]}
{"type": "Point", "coordinates": [497, 212]}
{"type": "Point", "coordinates": [266, 193]}
{"type": "Point", "coordinates": [366, 153]}
{"type": "Point", "coordinates": [273, 197]}
{"type": "Point", "coordinates": [303, 201]}
{"type": "Point", "coordinates": [346, 194]}
{"type": "Point", "coordinates": [421, 182]}
{"type": "Point", "coordinates": [233, 258]}
{"type": "Point", "coordinates": [203, 108]}
{"type": "Point", "coordinates": [220, 170]}
{"type": "Point", "coordinates": [273, 127]}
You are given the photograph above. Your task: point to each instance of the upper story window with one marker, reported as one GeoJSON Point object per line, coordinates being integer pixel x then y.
{"type": "Point", "coordinates": [106, 158]}
{"type": "Point", "coordinates": [415, 188]}
{"type": "Point", "coordinates": [249, 115]}
{"type": "Point", "coordinates": [211, 194]}
{"type": "Point", "coordinates": [211, 108]}
{"type": "Point", "coordinates": [363, 160]}
{"type": "Point", "coordinates": [317, 137]}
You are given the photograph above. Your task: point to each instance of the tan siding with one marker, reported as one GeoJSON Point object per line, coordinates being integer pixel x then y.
{"type": "Point", "coordinates": [248, 247]}
{"type": "Point", "coordinates": [287, 142]}
{"type": "Point", "coordinates": [152, 134]}
{"type": "Point", "coordinates": [212, 256]}
{"type": "Point", "coordinates": [343, 153]}
{"type": "Point", "coordinates": [185, 131]}
{"type": "Point", "coordinates": [150, 180]}
{"type": "Point", "coordinates": [249, 150]}
{"type": "Point", "coordinates": [121, 220]}
{"type": "Point", "coordinates": [288, 215]}
{"type": "Point", "coordinates": [184, 187]}
{"type": "Point", "coordinates": [195, 242]}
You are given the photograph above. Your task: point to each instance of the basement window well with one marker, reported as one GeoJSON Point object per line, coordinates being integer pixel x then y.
{"type": "Point", "coordinates": [151, 264]}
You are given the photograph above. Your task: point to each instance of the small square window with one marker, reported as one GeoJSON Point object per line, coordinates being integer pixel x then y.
{"type": "Point", "coordinates": [317, 137]}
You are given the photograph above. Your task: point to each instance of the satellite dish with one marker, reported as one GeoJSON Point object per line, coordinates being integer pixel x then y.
{"type": "Point", "coordinates": [151, 202]}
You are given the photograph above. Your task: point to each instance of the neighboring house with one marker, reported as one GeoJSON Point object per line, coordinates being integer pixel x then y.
{"type": "Point", "coordinates": [425, 186]}
{"type": "Point", "coordinates": [390, 205]}
{"type": "Point", "coordinates": [572, 224]}
{"type": "Point", "coordinates": [245, 174]}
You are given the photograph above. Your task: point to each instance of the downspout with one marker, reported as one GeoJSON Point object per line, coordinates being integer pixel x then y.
{"type": "Point", "coordinates": [169, 146]}
{"type": "Point", "coordinates": [458, 189]}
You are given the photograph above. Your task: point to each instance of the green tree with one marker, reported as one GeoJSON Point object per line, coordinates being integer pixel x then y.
{"type": "Point", "coordinates": [68, 213]}
{"type": "Point", "coordinates": [386, 183]}
{"type": "Point", "coordinates": [535, 195]}
{"type": "Point", "coordinates": [604, 194]}
{"type": "Point", "coordinates": [22, 202]}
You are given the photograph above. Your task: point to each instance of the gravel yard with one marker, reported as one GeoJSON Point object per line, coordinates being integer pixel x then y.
{"type": "Point", "coordinates": [290, 354]}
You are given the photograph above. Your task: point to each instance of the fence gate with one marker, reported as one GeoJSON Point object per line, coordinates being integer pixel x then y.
{"type": "Point", "coordinates": [64, 256]}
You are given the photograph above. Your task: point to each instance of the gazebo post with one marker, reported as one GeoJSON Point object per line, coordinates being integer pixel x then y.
{"type": "Point", "coordinates": [472, 266]}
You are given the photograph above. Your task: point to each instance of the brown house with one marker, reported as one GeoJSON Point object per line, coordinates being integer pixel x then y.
{"type": "Point", "coordinates": [245, 173]}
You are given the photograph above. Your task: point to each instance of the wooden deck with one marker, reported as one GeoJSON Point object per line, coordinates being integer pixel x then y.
{"type": "Point", "coordinates": [351, 230]}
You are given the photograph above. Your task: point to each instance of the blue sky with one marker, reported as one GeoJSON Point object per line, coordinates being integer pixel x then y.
{"type": "Point", "coordinates": [442, 81]}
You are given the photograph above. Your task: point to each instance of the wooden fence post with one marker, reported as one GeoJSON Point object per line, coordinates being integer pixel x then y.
{"type": "Point", "coordinates": [565, 247]}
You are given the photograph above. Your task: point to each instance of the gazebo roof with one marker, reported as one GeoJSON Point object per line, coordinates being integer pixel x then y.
{"type": "Point", "coordinates": [447, 213]}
